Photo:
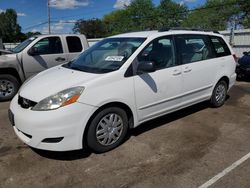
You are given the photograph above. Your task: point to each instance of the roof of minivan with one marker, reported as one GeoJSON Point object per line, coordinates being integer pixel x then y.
{"type": "Point", "coordinates": [146, 34]}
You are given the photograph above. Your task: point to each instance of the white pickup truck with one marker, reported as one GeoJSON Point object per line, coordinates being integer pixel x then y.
{"type": "Point", "coordinates": [35, 55]}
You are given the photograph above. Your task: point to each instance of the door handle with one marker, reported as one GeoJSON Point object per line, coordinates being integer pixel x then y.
{"type": "Point", "coordinates": [60, 59]}
{"type": "Point", "coordinates": [176, 72]}
{"type": "Point", "coordinates": [187, 70]}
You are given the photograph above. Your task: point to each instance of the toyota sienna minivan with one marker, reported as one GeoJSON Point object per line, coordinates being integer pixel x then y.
{"type": "Point", "coordinates": [118, 84]}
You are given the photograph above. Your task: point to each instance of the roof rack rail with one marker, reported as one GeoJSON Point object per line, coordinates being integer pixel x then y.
{"type": "Point", "coordinates": [186, 29]}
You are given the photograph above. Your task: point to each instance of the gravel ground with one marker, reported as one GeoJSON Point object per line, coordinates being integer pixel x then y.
{"type": "Point", "coordinates": [182, 149]}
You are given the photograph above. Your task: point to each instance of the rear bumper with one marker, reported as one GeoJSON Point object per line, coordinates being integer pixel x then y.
{"type": "Point", "coordinates": [35, 127]}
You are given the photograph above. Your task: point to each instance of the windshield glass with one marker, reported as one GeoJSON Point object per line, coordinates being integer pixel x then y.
{"type": "Point", "coordinates": [106, 56]}
{"type": "Point", "coordinates": [23, 45]}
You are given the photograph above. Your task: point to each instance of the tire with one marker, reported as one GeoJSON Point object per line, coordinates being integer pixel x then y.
{"type": "Point", "coordinates": [9, 86]}
{"type": "Point", "coordinates": [219, 94]}
{"type": "Point", "coordinates": [103, 135]}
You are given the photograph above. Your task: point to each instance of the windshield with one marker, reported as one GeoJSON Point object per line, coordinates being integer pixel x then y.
{"type": "Point", "coordinates": [23, 45]}
{"type": "Point", "coordinates": [106, 56]}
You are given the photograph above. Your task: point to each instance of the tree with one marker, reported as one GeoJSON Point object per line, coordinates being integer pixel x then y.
{"type": "Point", "coordinates": [93, 28]}
{"type": "Point", "coordinates": [118, 22]}
{"type": "Point", "coordinates": [139, 15]}
{"type": "Point", "coordinates": [214, 14]}
{"type": "Point", "coordinates": [9, 28]}
{"type": "Point", "coordinates": [142, 15]}
{"type": "Point", "coordinates": [171, 14]}
{"type": "Point", "coordinates": [30, 34]}
{"type": "Point", "coordinates": [245, 12]}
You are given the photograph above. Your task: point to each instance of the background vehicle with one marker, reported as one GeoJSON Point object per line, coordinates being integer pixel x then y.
{"type": "Point", "coordinates": [243, 67]}
{"type": "Point", "coordinates": [118, 84]}
{"type": "Point", "coordinates": [35, 55]}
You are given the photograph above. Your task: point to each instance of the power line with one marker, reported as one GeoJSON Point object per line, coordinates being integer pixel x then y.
{"type": "Point", "coordinates": [32, 26]}
{"type": "Point", "coordinates": [181, 12]}
{"type": "Point", "coordinates": [85, 13]}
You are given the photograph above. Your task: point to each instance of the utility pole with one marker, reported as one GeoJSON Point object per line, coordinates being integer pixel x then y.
{"type": "Point", "coordinates": [233, 27]}
{"type": "Point", "coordinates": [49, 16]}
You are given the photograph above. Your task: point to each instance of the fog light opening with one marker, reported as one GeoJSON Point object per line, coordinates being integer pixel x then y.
{"type": "Point", "coordinates": [52, 140]}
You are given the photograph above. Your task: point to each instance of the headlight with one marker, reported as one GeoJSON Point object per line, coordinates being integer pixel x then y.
{"type": "Point", "coordinates": [63, 98]}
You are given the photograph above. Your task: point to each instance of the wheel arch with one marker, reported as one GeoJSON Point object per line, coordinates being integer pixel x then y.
{"type": "Point", "coordinates": [11, 71]}
{"type": "Point", "coordinates": [121, 105]}
{"type": "Point", "coordinates": [226, 79]}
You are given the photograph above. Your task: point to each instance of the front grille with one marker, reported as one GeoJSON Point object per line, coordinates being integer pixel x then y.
{"type": "Point", "coordinates": [25, 103]}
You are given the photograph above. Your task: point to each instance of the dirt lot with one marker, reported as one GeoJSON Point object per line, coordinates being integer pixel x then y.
{"type": "Point", "coordinates": [183, 149]}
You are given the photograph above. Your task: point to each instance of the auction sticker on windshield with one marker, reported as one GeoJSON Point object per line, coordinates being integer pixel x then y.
{"type": "Point", "coordinates": [114, 58]}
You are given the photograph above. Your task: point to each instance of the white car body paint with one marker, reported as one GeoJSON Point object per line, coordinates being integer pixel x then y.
{"type": "Point", "coordinates": [148, 95]}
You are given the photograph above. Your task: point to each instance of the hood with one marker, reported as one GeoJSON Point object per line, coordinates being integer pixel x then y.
{"type": "Point", "coordinates": [6, 51]}
{"type": "Point", "coordinates": [7, 57]}
{"type": "Point", "coordinates": [52, 81]}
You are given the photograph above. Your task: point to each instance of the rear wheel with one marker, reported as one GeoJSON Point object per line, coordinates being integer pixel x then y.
{"type": "Point", "coordinates": [107, 130]}
{"type": "Point", "coordinates": [219, 94]}
{"type": "Point", "coordinates": [9, 86]}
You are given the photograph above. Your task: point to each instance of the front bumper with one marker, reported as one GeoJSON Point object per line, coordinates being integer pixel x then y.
{"type": "Point", "coordinates": [68, 123]}
{"type": "Point", "coordinates": [243, 71]}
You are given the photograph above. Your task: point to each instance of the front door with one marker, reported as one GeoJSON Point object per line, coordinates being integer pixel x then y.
{"type": "Point", "coordinates": [158, 92]}
{"type": "Point", "coordinates": [48, 53]}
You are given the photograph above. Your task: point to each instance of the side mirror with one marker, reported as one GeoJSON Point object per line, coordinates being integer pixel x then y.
{"type": "Point", "coordinates": [146, 66]}
{"type": "Point", "coordinates": [245, 53]}
{"type": "Point", "coordinates": [33, 51]}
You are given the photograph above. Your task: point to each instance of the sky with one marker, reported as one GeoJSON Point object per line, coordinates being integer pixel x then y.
{"type": "Point", "coordinates": [33, 13]}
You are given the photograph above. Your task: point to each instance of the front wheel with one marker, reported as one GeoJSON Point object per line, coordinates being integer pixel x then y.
{"type": "Point", "coordinates": [9, 86]}
{"type": "Point", "coordinates": [107, 130]}
{"type": "Point", "coordinates": [219, 94]}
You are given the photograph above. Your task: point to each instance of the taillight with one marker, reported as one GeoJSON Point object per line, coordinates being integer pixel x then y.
{"type": "Point", "coordinates": [235, 58]}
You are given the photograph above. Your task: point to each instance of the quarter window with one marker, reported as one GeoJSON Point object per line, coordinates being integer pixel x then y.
{"type": "Point", "coordinates": [193, 48]}
{"type": "Point", "coordinates": [74, 44]}
{"type": "Point", "coordinates": [49, 45]}
{"type": "Point", "coordinates": [160, 51]}
{"type": "Point", "coordinates": [220, 47]}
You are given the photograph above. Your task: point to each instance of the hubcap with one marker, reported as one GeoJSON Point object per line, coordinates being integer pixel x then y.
{"type": "Point", "coordinates": [109, 129]}
{"type": "Point", "coordinates": [220, 93]}
{"type": "Point", "coordinates": [6, 88]}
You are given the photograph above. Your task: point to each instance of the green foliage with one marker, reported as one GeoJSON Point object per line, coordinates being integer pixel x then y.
{"type": "Point", "coordinates": [10, 30]}
{"type": "Point", "coordinates": [171, 14]}
{"type": "Point", "coordinates": [117, 22]}
{"type": "Point", "coordinates": [140, 15]}
{"type": "Point", "coordinates": [93, 28]}
{"type": "Point", "coordinates": [30, 34]}
{"type": "Point", "coordinates": [216, 15]}
{"type": "Point", "coordinates": [143, 15]}
{"type": "Point", "coordinates": [244, 6]}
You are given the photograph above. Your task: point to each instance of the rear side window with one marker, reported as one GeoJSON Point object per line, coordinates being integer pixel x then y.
{"type": "Point", "coordinates": [193, 48]}
{"type": "Point", "coordinates": [74, 44]}
{"type": "Point", "coordinates": [220, 46]}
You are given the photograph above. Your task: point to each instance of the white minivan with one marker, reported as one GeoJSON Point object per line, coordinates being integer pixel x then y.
{"type": "Point", "coordinates": [118, 84]}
